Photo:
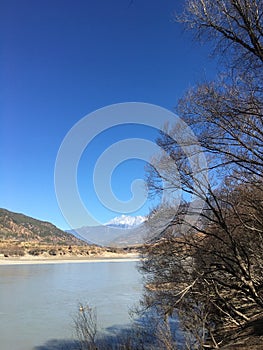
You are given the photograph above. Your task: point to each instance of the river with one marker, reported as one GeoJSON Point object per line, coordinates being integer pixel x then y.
{"type": "Point", "coordinates": [38, 302]}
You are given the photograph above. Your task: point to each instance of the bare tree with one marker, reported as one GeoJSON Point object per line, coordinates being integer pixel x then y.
{"type": "Point", "coordinates": [209, 270]}
{"type": "Point", "coordinates": [227, 119]}
{"type": "Point", "coordinates": [226, 115]}
{"type": "Point", "coordinates": [210, 275]}
{"type": "Point", "coordinates": [86, 327]}
{"type": "Point", "coordinates": [233, 25]}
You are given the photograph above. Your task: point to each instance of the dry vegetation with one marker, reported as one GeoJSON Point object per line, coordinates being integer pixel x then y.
{"type": "Point", "coordinates": [21, 235]}
{"type": "Point", "coordinates": [211, 278]}
{"type": "Point", "coordinates": [14, 248]}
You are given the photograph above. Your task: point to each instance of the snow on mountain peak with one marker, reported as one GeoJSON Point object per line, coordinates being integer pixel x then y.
{"type": "Point", "coordinates": [126, 221]}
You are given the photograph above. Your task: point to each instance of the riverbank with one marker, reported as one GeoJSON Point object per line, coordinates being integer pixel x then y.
{"type": "Point", "coordinates": [28, 259]}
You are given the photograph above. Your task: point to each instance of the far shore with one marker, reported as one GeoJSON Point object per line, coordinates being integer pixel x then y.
{"type": "Point", "coordinates": [30, 260]}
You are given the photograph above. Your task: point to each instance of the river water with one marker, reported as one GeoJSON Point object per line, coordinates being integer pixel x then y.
{"type": "Point", "coordinates": [38, 302]}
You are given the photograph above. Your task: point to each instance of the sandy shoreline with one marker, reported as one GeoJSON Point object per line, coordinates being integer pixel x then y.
{"type": "Point", "coordinates": [29, 260]}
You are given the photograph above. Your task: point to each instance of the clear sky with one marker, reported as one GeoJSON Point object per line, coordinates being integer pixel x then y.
{"type": "Point", "coordinates": [62, 59]}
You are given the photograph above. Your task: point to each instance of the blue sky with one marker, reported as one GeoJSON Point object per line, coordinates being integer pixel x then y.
{"type": "Point", "coordinates": [59, 61]}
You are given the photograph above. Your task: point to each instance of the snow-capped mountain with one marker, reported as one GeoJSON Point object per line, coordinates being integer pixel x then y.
{"type": "Point", "coordinates": [125, 221]}
{"type": "Point", "coordinates": [121, 231]}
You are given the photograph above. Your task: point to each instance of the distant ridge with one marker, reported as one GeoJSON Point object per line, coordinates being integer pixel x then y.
{"type": "Point", "coordinates": [22, 228]}
{"type": "Point", "coordinates": [122, 231]}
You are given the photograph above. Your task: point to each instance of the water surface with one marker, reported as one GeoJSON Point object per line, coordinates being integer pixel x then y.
{"type": "Point", "coordinates": [38, 302]}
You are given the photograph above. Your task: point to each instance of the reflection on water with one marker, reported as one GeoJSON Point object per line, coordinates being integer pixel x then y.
{"type": "Point", "coordinates": [38, 302]}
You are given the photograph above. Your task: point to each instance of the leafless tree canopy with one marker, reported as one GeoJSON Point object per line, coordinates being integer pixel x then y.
{"type": "Point", "coordinates": [211, 274]}
{"type": "Point", "coordinates": [230, 24]}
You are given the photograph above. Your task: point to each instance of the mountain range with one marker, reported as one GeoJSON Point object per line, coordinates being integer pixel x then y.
{"type": "Point", "coordinates": [22, 228]}
{"type": "Point", "coordinates": [121, 231]}
{"type": "Point", "coordinates": [21, 235]}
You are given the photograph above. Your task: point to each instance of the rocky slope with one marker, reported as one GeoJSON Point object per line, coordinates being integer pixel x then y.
{"type": "Point", "coordinates": [22, 228]}
{"type": "Point", "coordinates": [21, 235]}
